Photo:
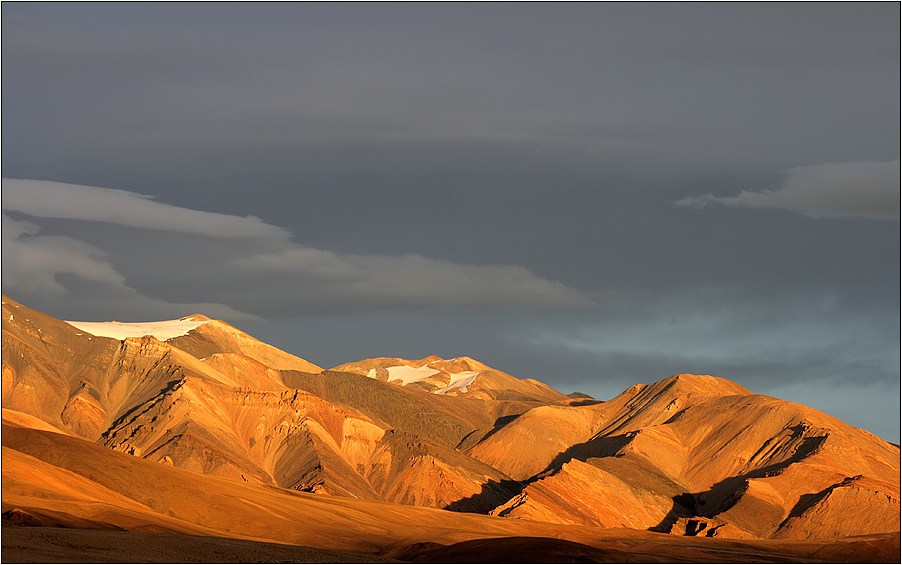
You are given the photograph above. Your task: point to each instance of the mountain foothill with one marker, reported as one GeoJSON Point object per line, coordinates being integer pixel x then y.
{"type": "Point", "coordinates": [194, 428]}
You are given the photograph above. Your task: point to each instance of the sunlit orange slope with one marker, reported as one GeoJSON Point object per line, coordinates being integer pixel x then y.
{"type": "Point", "coordinates": [54, 479]}
{"type": "Point", "coordinates": [689, 455]}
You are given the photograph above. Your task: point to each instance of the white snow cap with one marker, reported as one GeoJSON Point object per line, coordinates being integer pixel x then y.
{"type": "Point", "coordinates": [164, 330]}
{"type": "Point", "coordinates": [407, 375]}
{"type": "Point", "coordinates": [459, 380]}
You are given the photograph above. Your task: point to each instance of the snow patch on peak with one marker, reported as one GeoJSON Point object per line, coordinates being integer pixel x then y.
{"type": "Point", "coordinates": [163, 330]}
{"type": "Point", "coordinates": [459, 380]}
{"type": "Point", "coordinates": [409, 375]}
{"type": "Point", "coordinates": [430, 367]}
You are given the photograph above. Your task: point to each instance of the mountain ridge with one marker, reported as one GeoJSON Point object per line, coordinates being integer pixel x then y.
{"type": "Point", "coordinates": [693, 455]}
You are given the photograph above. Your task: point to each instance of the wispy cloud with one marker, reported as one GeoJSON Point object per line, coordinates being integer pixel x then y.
{"type": "Point", "coordinates": [867, 189]}
{"type": "Point", "coordinates": [265, 273]}
{"type": "Point", "coordinates": [32, 262]}
{"type": "Point", "coordinates": [414, 280]}
{"type": "Point", "coordinates": [47, 199]}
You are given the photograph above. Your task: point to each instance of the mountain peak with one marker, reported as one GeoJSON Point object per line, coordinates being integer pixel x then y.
{"type": "Point", "coordinates": [430, 359]}
{"type": "Point", "coordinates": [457, 376]}
{"type": "Point", "coordinates": [197, 318]}
{"type": "Point", "coordinates": [702, 384]}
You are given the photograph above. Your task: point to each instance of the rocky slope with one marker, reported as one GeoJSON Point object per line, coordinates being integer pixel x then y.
{"type": "Point", "coordinates": [214, 400]}
{"type": "Point", "coordinates": [698, 455]}
{"type": "Point", "coordinates": [691, 455]}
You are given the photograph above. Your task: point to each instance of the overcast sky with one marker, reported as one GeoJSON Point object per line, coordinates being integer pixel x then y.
{"type": "Point", "coordinates": [590, 194]}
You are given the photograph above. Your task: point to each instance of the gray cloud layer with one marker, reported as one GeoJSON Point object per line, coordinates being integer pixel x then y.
{"type": "Point", "coordinates": [45, 199]}
{"type": "Point", "coordinates": [835, 190]}
{"type": "Point", "coordinates": [34, 267]}
{"type": "Point", "coordinates": [31, 263]}
{"type": "Point", "coordinates": [416, 280]}
{"type": "Point", "coordinates": [318, 280]}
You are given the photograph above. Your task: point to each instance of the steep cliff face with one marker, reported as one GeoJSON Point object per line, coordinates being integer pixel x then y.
{"type": "Point", "coordinates": [693, 455]}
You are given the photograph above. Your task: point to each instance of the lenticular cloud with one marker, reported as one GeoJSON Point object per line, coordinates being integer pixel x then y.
{"type": "Point", "coordinates": [265, 265]}
{"type": "Point", "coordinates": [867, 190]}
{"type": "Point", "coordinates": [31, 263]}
{"type": "Point", "coordinates": [47, 199]}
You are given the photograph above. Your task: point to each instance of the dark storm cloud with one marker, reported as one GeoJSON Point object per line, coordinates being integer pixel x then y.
{"type": "Point", "coordinates": [423, 156]}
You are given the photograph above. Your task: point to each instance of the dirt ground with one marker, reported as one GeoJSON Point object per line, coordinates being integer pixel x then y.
{"type": "Point", "coordinates": [69, 545]}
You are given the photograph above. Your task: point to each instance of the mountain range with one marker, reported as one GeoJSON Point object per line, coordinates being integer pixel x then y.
{"type": "Point", "coordinates": [191, 427]}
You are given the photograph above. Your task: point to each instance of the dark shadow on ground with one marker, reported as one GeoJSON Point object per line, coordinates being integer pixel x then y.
{"type": "Point", "coordinates": [587, 402]}
{"type": "Point", "coordinates": [493, 494]}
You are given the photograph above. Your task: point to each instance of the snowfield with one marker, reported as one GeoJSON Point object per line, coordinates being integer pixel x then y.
{"type": "Point", "coordinates": [409, 375]}
{"type": "Point", "coordinates": [459, 380]}
{"type": "Point", "coordinates": [164, 330]}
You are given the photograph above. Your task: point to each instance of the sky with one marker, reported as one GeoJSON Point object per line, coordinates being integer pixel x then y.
{"type": "Point", "coordinates": [589, 194]}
